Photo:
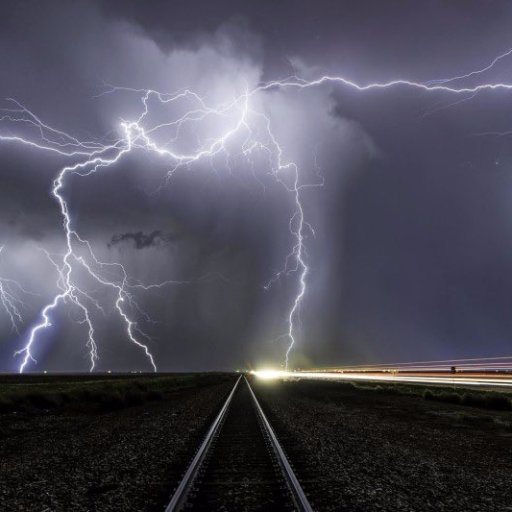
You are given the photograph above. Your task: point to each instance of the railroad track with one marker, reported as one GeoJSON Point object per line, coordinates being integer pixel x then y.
{"type": "Point", "coordinates": [240, 465]}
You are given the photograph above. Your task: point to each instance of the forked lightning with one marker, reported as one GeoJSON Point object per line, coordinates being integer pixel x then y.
{"type": "Point", "coordinates": [239, 129]}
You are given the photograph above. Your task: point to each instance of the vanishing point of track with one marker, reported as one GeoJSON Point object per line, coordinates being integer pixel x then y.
{"type": "Point", "coordinates": [240, 465]}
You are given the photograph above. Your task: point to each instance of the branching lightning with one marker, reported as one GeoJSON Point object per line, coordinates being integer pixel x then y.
{"type": "Point", "coordinates": [240, 130]}
{"type": "Point", "coordinates": [11, 299]}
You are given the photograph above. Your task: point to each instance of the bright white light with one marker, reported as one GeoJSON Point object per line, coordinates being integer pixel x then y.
{"type": "Point", "coordinates": [271, 374]}
{"type": "Point", "coordinates": [448, 380]}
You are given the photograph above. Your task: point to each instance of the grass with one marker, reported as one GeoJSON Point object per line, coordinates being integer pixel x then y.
{"type": "Point", "coordinates": [392, 390]}
{"type": "Point", "coordinates": [91, 393]}
{"type": "Point", "coordinates": [491, 400]}
{"type": "Point", "coordinates": [483, 400]}
{"type": "Point", "coordinates": [474, 419]}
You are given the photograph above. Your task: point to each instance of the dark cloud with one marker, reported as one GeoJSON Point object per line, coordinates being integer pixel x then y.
{"type": "Point", "coordinates": [144, 240]}
{"type": "Point", "coordinates": [365, 38]}
{"type": "Point", "coordinates": [411, 254]}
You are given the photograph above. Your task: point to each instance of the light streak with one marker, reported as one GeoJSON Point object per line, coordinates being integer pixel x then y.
{"type": "Point", "coordinates": [240, 126]}
{"type": "Point", "coordinates": [446, 380]}
{"type": "Point", "coordinates": [478, 361]}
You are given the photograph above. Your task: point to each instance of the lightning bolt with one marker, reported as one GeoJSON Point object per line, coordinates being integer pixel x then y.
{"type": "Point", "coordinates": [240, 130]}
{"type": "Point", "coordinates": [11, 293]}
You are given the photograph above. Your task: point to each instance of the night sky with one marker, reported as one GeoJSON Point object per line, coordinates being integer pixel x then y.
{"type": "Point", "coordinates": [411, 257]}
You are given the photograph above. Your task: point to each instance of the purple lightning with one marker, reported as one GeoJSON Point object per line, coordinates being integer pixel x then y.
{"type": "Point", "coordinates": [11, 299]}
{"type": "Point", "coordinates": [240, 130]}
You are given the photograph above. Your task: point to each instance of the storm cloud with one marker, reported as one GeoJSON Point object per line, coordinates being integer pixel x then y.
{"type": "Point", "coordinates": [411, 247]}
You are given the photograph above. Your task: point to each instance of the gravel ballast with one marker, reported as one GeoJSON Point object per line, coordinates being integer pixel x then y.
{"type": "Point", "coordinates": [127, 459]}
{"type": "Point", "coordinates": [359, 450]}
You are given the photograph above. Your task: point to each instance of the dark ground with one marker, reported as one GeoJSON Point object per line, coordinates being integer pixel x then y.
{"type": "Point", "coordinates": [361, 450]}
{"type": "Point", "coordinates": [78, 457]}
{"type": "Point", "coordinates": [112, 443]}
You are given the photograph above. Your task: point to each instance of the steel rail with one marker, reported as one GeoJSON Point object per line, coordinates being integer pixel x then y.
{"type": "Point", "coordinates": [180, 495]}
{"type": "Point", "coordinates": [301, 501]}
{"type": "Point", "coordinates": [179, 499]}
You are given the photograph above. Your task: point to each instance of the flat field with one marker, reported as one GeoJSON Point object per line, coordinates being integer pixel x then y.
{"type": "Point", "coordinates": [394, 448]}
{"type": "Point", "coordinates": [101, 443]}
{"type": "Point", "coordinates": [121, 442]}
